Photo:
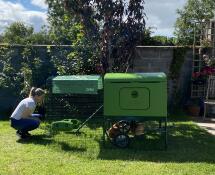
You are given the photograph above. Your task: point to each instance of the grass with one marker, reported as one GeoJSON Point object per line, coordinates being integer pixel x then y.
{"type": "Point", "coordinates": [190, 151]}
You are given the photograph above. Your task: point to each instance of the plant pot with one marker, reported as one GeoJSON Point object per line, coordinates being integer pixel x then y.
{"type": "Point", "coordinates": [193, 110]}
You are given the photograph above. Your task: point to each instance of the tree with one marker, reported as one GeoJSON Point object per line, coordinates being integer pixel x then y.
{"type": "Point", "coordinates": [1, 38]}
{"type": "Point", "coordinates": [20, 33]}
{"type": "Point", "coordinates": [17, 63]}
{"type": "Point", "coordinates": [17, 32]}
{"type": "Point", "coordinates": [61, 22]}
{"type": "Point", "coordinates": [80, 58]}
{"type": "Point", "coordinates": [156, 40]}
{"type": "Point", "coordinates": [114, 27]}
{"type": "Point", "coordinates": [194, 12]}
{"type": "Point", "coordinates": [41, 37]}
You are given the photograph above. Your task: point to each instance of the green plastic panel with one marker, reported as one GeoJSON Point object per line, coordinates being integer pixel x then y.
{"type": "Point", "coordinates": [77, 84]}
{"type": "Point", "coordinates": [135, 94]}
{"type": "Point", "coordinates": [135, 77]}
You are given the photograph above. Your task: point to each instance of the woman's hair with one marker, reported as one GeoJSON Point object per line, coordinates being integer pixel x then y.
{"type": "Point", "coordinates": [36, 91]}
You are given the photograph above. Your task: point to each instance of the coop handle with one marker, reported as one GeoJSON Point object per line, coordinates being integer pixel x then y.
{"type": "Point", "coordinates": [88, 119]}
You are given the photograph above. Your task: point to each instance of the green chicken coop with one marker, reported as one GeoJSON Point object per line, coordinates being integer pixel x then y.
{"type": "Point", "coordinates": [135, 97]}
{"type": "Point", "coordinates": [128, 97]}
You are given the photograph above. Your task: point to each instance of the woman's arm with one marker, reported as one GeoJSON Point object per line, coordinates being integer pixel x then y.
{"type": "Point", "coordinates": [27, 114]}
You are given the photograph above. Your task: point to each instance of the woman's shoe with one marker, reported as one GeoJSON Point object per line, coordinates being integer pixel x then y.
{"type": "Point", "coordinates": [27, 134]}
{"type": "Point", "coordinates": [21, 135]}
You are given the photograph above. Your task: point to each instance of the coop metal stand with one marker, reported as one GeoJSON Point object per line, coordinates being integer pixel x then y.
{"type": "Point", "coordinates": [163, 130]}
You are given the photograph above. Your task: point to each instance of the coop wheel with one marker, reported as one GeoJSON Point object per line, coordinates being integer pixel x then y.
{"type": "Point", "coordinates": [121, 140]}
{"type": "Point", "coordinates": [124, 126]}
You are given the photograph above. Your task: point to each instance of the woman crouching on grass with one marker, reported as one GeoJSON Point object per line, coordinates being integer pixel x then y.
{"type": "Point", "coordinates": [23, 119]}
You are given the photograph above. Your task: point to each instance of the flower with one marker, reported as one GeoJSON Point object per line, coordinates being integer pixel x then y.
{"type": "Point", "coordinates": [209, 61]}
{"type": "Point", "coordinates": [201, 77]}
{"type": "Point", "coordinates": [207, 69]}
{"type": "Point", "coordinates": [196, 74]}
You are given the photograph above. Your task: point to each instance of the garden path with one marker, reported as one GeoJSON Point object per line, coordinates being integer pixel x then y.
{"type": "Point", "coordinates": [207, 124]}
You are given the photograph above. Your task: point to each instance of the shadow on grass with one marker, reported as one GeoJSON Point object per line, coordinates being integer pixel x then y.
{"type": "Point", "coordinates": [37, 139]}
{"type": "Point", "coordinates": [186, 143]}
{"type": "Point", "coordinates": [47, 140]}
{"type": "Point", "coordinates": [66, 147]}
{"type": "Point", "coordinates": [69, 148]}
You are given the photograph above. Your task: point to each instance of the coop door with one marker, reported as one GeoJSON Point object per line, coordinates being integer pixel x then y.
{"type": "Point", "coordinates": [134, 98]}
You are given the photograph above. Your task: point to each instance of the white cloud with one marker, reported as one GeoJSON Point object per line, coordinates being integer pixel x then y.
{"type": "Point", "coordinates": [40, 3]}
{"type": "Point", "coordinates": [11, 12]}
{"type": "Point", "coordinates": [162, 15]}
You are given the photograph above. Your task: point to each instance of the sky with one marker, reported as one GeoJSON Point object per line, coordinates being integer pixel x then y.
{"type": "Point", "coordinates": [161, 14]}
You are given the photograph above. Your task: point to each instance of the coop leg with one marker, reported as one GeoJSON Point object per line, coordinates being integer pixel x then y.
{"type": "Point", "coordinates": [103, 137]}
{"type": "Point", "coordinates": [165, 134]}
{"type": "Point", "coordinates": [160, 124]}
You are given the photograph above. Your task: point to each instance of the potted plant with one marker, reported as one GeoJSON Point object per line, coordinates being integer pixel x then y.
{"type": "Point", "coordinates": [193, 107]}
{"type": "Point", "coordinates": [208, 69]}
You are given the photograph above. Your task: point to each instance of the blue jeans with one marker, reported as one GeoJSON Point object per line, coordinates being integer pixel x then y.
{"type": "Point", "coordinates": [25, 124]}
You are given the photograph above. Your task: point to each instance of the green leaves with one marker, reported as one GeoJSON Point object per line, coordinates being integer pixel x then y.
{"type": "Point", "coordinates": [194, 11]}
{"type": "Point", "coordinates": [17, 32]}
{"type": "Point", "coordinates": [22, 66]}
{"type": "Point", "coordinates": [98, 30]}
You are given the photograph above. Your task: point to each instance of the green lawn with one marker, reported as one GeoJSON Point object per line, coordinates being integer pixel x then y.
{"type": "Point", "coordinates": [191, 151]}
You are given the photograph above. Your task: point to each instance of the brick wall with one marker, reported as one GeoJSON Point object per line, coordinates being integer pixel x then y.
{"type": "Point", "coordinates": [158, 59]}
